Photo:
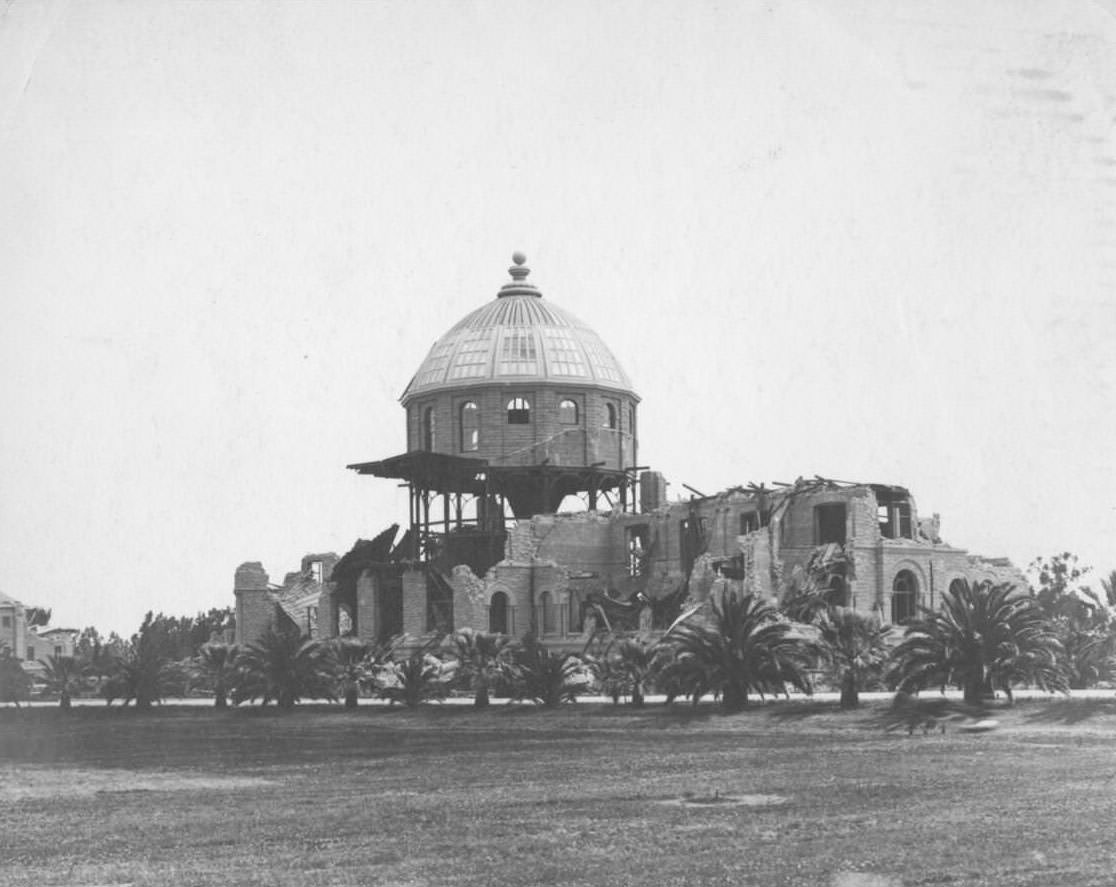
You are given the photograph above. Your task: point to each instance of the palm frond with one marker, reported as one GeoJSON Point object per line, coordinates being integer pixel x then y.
{"type": "Point", "coordinates": [744, 648]}
{"type": "Point", "coordinates": [984, 637]}
{"type": "Point", "coordinates": [284, 667]}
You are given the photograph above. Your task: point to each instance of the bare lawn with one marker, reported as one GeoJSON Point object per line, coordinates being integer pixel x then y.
{"type": "Point", "coordinates": [783, 794]}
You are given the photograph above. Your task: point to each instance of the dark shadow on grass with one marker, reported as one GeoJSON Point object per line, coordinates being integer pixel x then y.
{"type": "Point", "coordinates": [796, 710]}
{"type": "Point", "coordinates": [1069, 711]}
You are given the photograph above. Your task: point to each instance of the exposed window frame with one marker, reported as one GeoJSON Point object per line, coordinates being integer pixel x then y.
{"type": "Point", "coordinates": [565, 406]}
{"type": "Point", "coordinates": [470, 430]}
{"type": "Point", "coordinates": [519, 411]}
{"type": "Point", "coordinates": [639, 543]}
{"type": "Point", "coordinates": [611, 420]}
{"type": "Point", "coordinates": [909, 594]}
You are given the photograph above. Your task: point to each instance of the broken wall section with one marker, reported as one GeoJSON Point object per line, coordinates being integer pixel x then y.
{"type": "Point", "coordinates": [261, 606]}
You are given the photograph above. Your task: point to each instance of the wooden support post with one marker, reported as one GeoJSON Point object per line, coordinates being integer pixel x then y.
{"type": "Point", "coordinates": [425, 547]}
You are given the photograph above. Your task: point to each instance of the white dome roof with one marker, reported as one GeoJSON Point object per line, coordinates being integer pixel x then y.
{"type": "Point", "coordinates": [518, 338]}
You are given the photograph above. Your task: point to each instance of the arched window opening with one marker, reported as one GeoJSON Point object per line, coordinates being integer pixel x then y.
{"type": "Point", "coordinates": [470, 427]}
{"type": "Point", "coordinates": [428, 428]}
{"type": "Point", "coordinates": [567, 412]}
{"type": "Point", "coordinates": [904, 597]}
{"type": "Point", "coordinates": [548, 616]}
{"type": "Point", "coordinates": [610, 416]}
{"type": "Point", "coordinates": [577, 614]}
{"type": "Point", "coordinates": [632, 420]}
{"type": "Point", "coordinates": [519, 411]}
{"type": "Point", "coordinates": [956, 587]}
{"type": "Point", "coordinates": [498, 613]}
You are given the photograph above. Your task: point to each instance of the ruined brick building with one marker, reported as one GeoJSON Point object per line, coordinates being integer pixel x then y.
{"type": "Point", "coordinates": [521, 409]}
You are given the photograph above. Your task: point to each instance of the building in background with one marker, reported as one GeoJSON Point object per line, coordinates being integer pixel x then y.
{"type": "Point", "coordinates": [13, 626]}
{"type": "Point", "coordinates": [529, 510]}
{"type": "Point", "coordinates": [24, 631]}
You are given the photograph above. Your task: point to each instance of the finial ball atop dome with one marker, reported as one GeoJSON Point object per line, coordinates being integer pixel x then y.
{"type": "Point", "coordinates": [518, 257]}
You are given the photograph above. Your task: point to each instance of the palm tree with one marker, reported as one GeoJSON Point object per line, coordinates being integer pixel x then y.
{"type": "Point", "coordinates": [482, 658]}
{"type": "Point", "coordinates": [284, 667]}
{"type": "Point", "coordinates": [855, 646]}
{"type": "Point", "coordinates": [350, 656]}
{"type": "Point", "coordinates": [15, 683]}
{"type": "Point", "coordinates": [806, 602]}
{"type": "Point", "coordinates": [983, 638]}
{"type": "Point", "coordinates": [744, 648]}
{"type": "Point", "coordinates": [547, 676]}
{"type": "Point", "coordinates": [1087, 654]}
{"type": "Point", "coordinates": [1108, 586]}
{"type": "Point", "coordinates": [216, 665]}
{"type": "Point", "coordinates": [630, 665]}
{"type": "Point", "coordinates": [63, 676]}
{"type": "Point", "coordinates": [141, 674]}
{"type": "Point", "coordinates": [420, 677]}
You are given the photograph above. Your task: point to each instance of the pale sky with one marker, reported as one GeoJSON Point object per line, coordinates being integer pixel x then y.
{"type": "Point", "coordinates": [874, 241]}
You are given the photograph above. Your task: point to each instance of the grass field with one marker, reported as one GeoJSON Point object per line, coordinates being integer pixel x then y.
{"type": "Point", "coordinates": [789, 793]}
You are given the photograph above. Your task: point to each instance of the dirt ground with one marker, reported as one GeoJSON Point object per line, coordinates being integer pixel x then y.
{"type": "Point", "coordinates": [784, 794]}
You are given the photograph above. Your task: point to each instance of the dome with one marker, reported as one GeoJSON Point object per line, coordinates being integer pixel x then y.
{"type": "Point", "coordinates": [515, 338]}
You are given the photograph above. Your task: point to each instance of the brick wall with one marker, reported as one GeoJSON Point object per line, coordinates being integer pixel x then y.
{"type": "Point", "coordinates": [582, 444]}
{"type": "Point", "coordinates": [367, 613]}
{"type": "Point", "coordinates": [414, 603]}
{"type": "Point", "coordinates": [328, 613]}
{"type": "Point", "coordinates": [470, 599]}
{"type": "Point", "coordinates": [255, 608]}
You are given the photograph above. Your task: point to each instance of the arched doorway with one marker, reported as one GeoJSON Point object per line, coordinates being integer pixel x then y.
{"type": "Point", "coordinates": [498, 613]}
{"type": "Point", "coordinates": [904, 597]}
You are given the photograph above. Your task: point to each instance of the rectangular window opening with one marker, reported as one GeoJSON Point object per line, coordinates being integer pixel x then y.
{"type": "Point", "coordinates": [883, 515]}
{"type": "Point", "coordinates": [829, 523]}
{"type": "Point", "coordinates": [639, 543]}
{"type": "Point", "coordinates": [692, 533]}
{"type": "Point", "coordinates": [895, 519]}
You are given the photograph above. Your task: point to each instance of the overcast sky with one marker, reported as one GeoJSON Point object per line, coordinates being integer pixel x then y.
{"type": "Point", "coordinates": [873, 241]}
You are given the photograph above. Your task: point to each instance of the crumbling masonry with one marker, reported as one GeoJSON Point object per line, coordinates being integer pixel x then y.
{"type": "Point", "coordinates": [520, 409]}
